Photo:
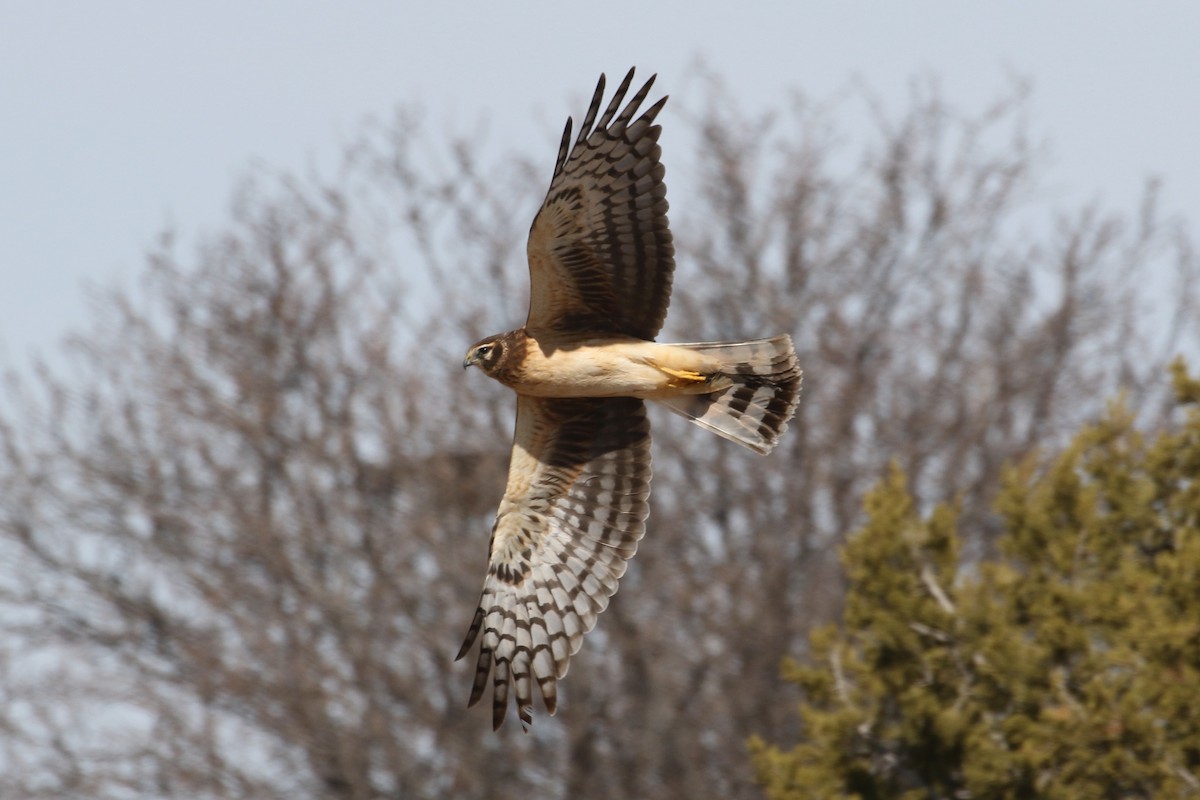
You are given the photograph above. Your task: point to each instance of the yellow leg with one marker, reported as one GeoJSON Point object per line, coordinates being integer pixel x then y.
{"type": "Point", "coordinates": [682, 377]}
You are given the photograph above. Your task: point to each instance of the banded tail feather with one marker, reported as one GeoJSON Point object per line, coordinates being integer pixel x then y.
{"type": "Point", "coordinates": [763, 388]}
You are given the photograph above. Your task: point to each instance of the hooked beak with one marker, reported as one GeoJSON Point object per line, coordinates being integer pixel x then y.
{"type": "Point", "coordinates": [468, 361]}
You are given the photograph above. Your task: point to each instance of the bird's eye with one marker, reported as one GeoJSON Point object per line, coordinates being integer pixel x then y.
{"type": "Point", "coordinates": [483, 350]}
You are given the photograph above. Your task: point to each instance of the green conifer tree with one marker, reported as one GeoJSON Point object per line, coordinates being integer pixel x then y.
{"type": "Point", "coordinates": [1067, 667]}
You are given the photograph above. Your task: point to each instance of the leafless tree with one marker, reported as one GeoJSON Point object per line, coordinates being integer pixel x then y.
{"type": "Point", "coordinates": [243, 521]}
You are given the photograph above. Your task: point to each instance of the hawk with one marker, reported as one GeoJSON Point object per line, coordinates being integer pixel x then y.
{"type": "Point", "coordinates": [600, 268]}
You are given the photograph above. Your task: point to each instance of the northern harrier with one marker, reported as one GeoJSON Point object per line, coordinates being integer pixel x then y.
{"type": "Point", "coordinates": [600, 264]}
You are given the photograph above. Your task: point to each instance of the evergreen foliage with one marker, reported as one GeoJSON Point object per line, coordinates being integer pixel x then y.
{"type": "Point", "coordinates": [1066, 667]}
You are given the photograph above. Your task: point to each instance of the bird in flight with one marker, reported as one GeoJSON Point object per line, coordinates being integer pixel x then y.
{"type": "Point", "coordinates": [600, 269]}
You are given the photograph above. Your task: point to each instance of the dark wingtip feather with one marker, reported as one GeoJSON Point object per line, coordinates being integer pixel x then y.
{"type": "Point", "coordinates": [653, 110]}
{"type": "Point", "coordinates": [564, 147]}
{"type": "Point", "coordinates": [615, 103]}
{"type": "Point", "coordinates": [593, 109]}
{"type": "Point", "coordinates": [499, 693]}
{"type": "Point", "coordinates": [472, 633]}
{"type": "Point", "coordinates": [482, 668]}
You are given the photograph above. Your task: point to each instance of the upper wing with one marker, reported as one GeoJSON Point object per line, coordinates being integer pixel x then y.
{"type": "Point", "coordinates": [572, 515]}
{"type": "Point", "coordinates": [600, 251]}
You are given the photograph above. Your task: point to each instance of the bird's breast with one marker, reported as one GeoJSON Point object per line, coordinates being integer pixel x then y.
{"type": "Point", "coordinates": [600, 367]}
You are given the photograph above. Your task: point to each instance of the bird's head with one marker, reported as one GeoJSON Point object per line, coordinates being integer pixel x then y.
{"type": "Point", "coordinates": [487, 354]}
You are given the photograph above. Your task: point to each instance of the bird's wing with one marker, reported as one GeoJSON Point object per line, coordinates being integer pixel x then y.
{"type": "Point", "coordinates": [572, 515]}
{"type": "Point", "coordinates": [600, 252]}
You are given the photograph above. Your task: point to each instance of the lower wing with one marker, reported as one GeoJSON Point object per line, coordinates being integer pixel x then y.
{"type": "Point", "coordinates": [571, 517]}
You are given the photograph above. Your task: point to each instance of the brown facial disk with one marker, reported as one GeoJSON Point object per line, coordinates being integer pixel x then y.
{"type": "Point", "coordinates": [499, 357]}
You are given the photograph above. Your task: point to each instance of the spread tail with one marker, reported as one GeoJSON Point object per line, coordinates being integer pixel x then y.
{"type": "Point", "coordinates": [754, 408]}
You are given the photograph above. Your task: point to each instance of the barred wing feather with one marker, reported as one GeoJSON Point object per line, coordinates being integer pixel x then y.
{"type": "Point", "coordinates": [572, 515]}
{"type": "Point", "coordinates": [600, 253]}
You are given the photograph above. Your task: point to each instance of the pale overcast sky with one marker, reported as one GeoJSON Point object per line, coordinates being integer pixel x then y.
{"type": "Point", "coordinates": [118, 118]}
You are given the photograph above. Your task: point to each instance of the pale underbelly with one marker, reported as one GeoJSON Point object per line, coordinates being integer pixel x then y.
{"type": "Point", "coordinates": [622, 369]}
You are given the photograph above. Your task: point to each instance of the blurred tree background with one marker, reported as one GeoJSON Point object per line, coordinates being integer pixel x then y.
{"type": "Point", "coordinates": [243, 529]}
{"type": "Point", "coordinates": [1067, 667]}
